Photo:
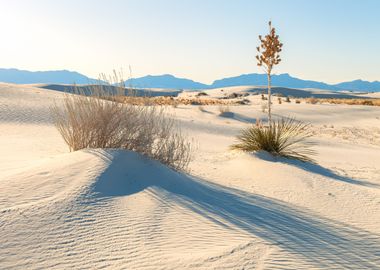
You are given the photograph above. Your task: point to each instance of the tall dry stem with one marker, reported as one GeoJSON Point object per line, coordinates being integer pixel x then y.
{"type": "Point", "coordinates": [269, 56]}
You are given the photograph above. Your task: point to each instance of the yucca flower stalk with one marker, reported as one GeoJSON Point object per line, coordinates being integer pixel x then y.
{"type": "Point", "coordinates": [269, 56]}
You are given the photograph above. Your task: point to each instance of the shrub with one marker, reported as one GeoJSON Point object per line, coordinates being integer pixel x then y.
{"type": "Point", "coordinates": [195, 102]}
{"type": "Point", "coordinates": [225, 111]}
{"type": "Point", "coordinates": [298, 101]}
{"type": "Point", "coordinates": [368, 102]}
{"type": "Point", "coordinates": [312, 100]}
{"type": "Point", "coordinates": [90, 121]}
{"type": "Point", "coordinates": [279, 100]}
{"type": "Point", "coordinates": [285, 137]}
{"type": "Point", "coordinates": [287, 99]}
{"type": "Point", "coordinates": [244, 101]}
{"type": "Point", "coordinates": [237, 95]}
{"type": "Point", "coordinates": [201, 94]}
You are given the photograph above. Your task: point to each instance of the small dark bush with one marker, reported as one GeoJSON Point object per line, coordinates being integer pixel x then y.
{"type": "Point", "coordinates": [202, 94]}
{"type": "Point", "coordinates": [195, 102]}
{"type": "Point", "coordinates": [244, 101]}
{"type": "Point", "coordinates": [237, 95]}
{"type": "Point", "coordinates": [368, 102]}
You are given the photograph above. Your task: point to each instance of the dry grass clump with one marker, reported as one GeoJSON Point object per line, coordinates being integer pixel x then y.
{"type": "Point", "coordinates": [90, 121]}
{"type": "Point", "coordinates": [225, 111]}
{"type": "Point", "coordinates": [348, 101]}
{"type": "Point", "coordinates": [312, 100]}
{"type": "Point", "coordinates": [285, 138]}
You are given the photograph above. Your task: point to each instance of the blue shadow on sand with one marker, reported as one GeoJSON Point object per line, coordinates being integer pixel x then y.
{"type": "Point", "coordinates": [316, 169]}
{"type": "Point", "coordinates": [321, 242]}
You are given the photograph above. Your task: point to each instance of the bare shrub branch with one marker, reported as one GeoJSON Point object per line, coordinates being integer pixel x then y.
{"type": "Point", "coordinates": [94, 119]}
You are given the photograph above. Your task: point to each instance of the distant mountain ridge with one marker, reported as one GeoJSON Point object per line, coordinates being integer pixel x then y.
{"type": "Point", "coordinates": [168, 81]}
{"type": "Point", "coordinates": [359, 84]}
{"type": "Point", "coordinates": [13, 75]}
{"type": "Point", "coordinates": [282, 80]}
{"type": "Point", "coordinates": [164, 81]}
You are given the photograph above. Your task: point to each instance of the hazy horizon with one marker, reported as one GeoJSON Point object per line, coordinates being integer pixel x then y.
{"type": "Point", "coordinates": [328, 41]}
{"type": "Point", "coordinates": [126, 76]}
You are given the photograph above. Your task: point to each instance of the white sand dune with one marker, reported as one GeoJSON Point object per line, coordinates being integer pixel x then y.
{"type": "Point", "coordinates": [284, 91]}
{"type": "Point", "coordinates": [144, 92]}
{"type": "Point", "coordinates": [373, 95]}
{"type": "Point", "coordinates": [114, 209]}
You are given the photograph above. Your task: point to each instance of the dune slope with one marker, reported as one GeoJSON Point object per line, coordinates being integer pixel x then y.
{"type": "Point", "coordinates": [115, 209]}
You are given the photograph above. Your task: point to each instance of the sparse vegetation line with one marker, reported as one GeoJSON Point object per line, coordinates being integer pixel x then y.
{"type": "Point", "coordinates": [347, 101]}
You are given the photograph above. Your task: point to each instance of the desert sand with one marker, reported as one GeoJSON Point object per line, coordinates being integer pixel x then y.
{"type": "Point", "coordinates": [113, 209]}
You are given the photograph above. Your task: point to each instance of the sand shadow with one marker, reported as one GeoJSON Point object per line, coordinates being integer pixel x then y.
{"type": "Point", "coordinates": [111, 89]}
{"type": "Point", "coordinates": [301, 93]}
{"type": "Point", "coordinates": [239, 117]}
{"type": "Point", "coordinates": [320, 242]}
{"type": "Point", "coordinates": [316, 169]}
{"type": "Point", "coordinates": [205, 111]}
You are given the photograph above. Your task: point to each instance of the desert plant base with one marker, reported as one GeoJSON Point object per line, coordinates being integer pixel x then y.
{"type": "Point", "coordinates": [285, 138]}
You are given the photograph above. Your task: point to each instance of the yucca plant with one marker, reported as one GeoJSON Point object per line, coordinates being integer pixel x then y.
{"type": "Point", "coordinates": [268, 57]}
{"type": "Point", "coordinates": [285, 137]}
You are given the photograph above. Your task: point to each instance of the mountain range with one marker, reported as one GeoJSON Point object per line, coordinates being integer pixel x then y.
{"type": "Point", "coordinates": [168, 81]}
{"type": "Point", "coordinates": [13, 75]}
{"type": "Point", "coordinates": [165, 81]}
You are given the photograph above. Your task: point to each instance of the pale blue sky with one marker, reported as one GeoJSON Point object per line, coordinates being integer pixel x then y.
{"type": "Point", "coordinates": [325, 40]}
